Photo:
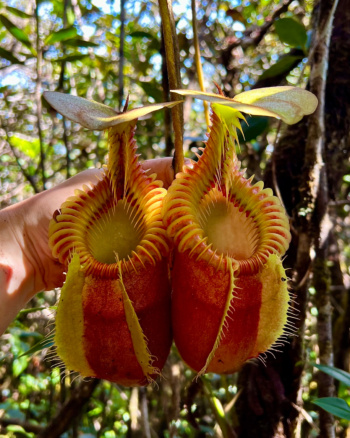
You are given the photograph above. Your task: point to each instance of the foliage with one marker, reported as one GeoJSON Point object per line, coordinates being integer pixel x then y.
{"type": "Point", "coordinates": [335, 406]}
{"type": "Point", "coordinates": [74, 46]}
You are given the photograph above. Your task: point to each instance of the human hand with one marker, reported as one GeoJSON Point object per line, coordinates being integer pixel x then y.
{"type": "Point", "coordinates": [26, 263]}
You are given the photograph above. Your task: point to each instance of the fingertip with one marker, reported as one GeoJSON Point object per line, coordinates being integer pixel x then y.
{"type": "Point", "coordinates": [164, 168]}
{"type": "Point", "coordinates": [189, 163]}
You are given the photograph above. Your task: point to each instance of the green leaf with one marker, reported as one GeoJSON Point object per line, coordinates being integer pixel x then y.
{"type": "Point", "coordinates": [70, 15]}
{"type": "Point", "coordinates": [18, 12]}
{"type": "Point", "coordinates": [61, 35]}
{"type": "Point", "coordinates": [24, 335]}
{"type": "Point", "coordinates": [47, 342]}
{"type": "Point", "coordinates": [336, 373]}
{"type": "Point", "coordinates": [153, 43]}
{"type": "Point", "coordinates": [8, 55]}
{"type": "Point", "coordinates": [152, 89]}
{"type": "Point", "coordinates": [29, 147]}
{"type": "Point", "coordinates": [15, 413]}
{"type": "Point", "coordinates": [14, 428]}
{"type": "Point", "coordinates": [19, 431]}
{"type": "Point", "coordinates": [254, 127]}
{"type": "Point", "coordinates": [70, 58]}
{"type": "Point", "coordinates": [19, 365]}
{"type": "Point", "coordinates": [18, 33]}
{"type": "Point", "coordinates": [141, 34]}
{"type": "Point", "coordinates": [96, 411]}
{"type": "Point", "coordinates": [285, 64]}
{"type": "Point", "coordinates": [34, 309]}
{"type": "Point", "coordinates": [335, 406]}
{"type": "Point", "coordinates": [291, 32]}
{"type": "Point", "coordinates": [79, 43]}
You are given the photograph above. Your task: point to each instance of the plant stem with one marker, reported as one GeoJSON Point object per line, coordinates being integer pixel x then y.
{"type": "Point", "coordinates": [169, 144]}
{"type": "Point", "coordinates": [28, 177]}
{"type": "Point", "coordinates": [144, 413]}
{"type": "Point", "coordinates": [173, 63]}
{"type": "Point", "coordinates": [121, 55]}
{"type": "Point", "coordinates": [218, 411]}
{"type": "Point", "coordinates": [63, 419]}
{"type": "Point", "coordinates": [197, 57]}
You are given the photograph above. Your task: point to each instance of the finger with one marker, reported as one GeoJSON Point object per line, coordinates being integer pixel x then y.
{"type": "Point", "coordinates": [164, 169]}
{"type": "Point", "coordinates": [52, 199]}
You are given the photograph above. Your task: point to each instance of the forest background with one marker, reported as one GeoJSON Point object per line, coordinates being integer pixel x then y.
{"type": "Point", "coordinates": [105, 50]}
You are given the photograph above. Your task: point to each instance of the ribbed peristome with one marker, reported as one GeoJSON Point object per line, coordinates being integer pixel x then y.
{"type": "Point", "coordinates": [217, 179]}
{"type": "Point", "coordinates": [85, 222]}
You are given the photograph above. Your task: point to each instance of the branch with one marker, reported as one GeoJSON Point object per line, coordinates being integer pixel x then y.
{"type": "Point", "coordinates": [28, 427]}
{"type": "Point", "coordinates": [144, 413]}
{"type": "Point", "coordinates": [26, 175]}
{"type": "Point", "coordinates": [253, 35]}
{"type": "Point", "coordinates": [169, 144]}
{"type": "Point", "coordinates": [218, 411]}
{"type": "Point", "coordinates": [279, 78]}
{"type": "Point", "coordinates": [173, 63]}
{"type": "Point", "coordinates": [16, 190]}
{"type": "Point", "coordinates": [69, 411]}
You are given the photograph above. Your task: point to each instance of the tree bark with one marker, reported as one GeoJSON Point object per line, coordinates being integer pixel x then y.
{"type": "Point", "coordinates": [270, 394]}
{"type": "Point", "coordinates": [64, 418]}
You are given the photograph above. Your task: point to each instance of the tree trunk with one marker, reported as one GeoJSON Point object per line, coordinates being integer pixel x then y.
{"type": "Point", "coordinates": [268, 404]}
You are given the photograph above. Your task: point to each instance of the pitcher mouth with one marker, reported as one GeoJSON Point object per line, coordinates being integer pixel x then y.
{"type": "Point", "coordinates": [229, 230]}
{"type": "Point", "coordinates": [114, 233]}
{"type": "Point", "coordinates": [242, 229]}
{"type": "Point", "coordinates": [219, 216]}
{"type": "Point", "coordinates": [104, 231]}
{"type": "Point", "coordinates": [246, 236]}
